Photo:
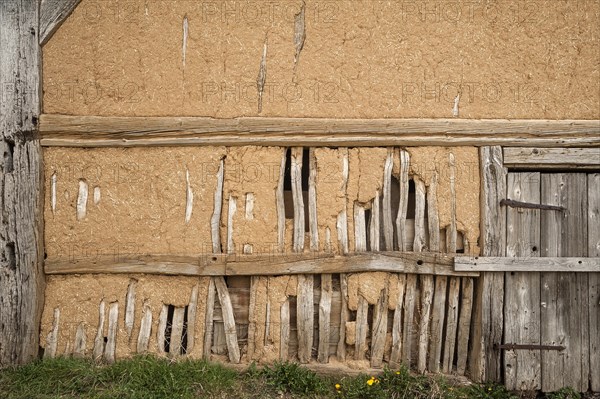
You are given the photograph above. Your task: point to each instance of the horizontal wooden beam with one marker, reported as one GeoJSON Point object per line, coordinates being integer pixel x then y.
{"type": "Point", "coordinates": [552, 158]}
{"type": "Point", "coordinates": [101, 131]}
{"type": "Point", "coordinates": [263, 265]}
{"type": "Point", "coordinates": [503, 264]}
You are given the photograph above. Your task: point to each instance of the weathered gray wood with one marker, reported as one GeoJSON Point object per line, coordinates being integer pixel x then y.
{"type": "Point", "coordinates": [324, 318]}
{"type": "Point", "coordinates": [281, 205]}
{"type": "Point", "coordinates": [403, 201]}
{"type": "Point", "coordinates": [437, 324]}
{"type": "Point", "coordinates": [374, 224]}
{"type": "Point", "coordinates": [191, 319]}
{"type": "Point", "coordinates": [175, 347]}
{"type": "Point", "coordinates": [296, 175]}
{"type": "Point", "coordinates": [451, 233]}
{"type": "Point", "coordinates": [285, 331]}
{"type": "Point", "coordinates": [80, 341]}
{"type": "Point", "coordinates": [130, 306]}
{"type": "Point", "coordinates": [425, 312]}
{"type": "Point", "coordinates": [344, 315]}
{"type": "Point", "coordinates": [451, 325]}
{"type": "Point", "coordinates": [464, 325]}
{"type": "Point", "coordinates": [379, 329]}
{"type": "Point", "coordinates": [111, 339]}
{"type": "Point", "coordinates": [162, 328]}
{"type": "Point", "coordinates": [565, 235]}
{"type": "Point", "coordinates": [409, 318]}
{"type": "Point", "coordinates": [419, 240]}
{"type": "Point", "coordinates": [65, 130]}
{"type": "Point", "coordinates": [52, 338]}
{"type": "Point", "coordinates": [342, 218]}
{"type": "Point", "coordinates": [254, 286]}
{"type": "Point", "coordinates": [215, 220]}
{"type": "Point", "coordinates": [232, 202]}
{"type": "Point", "coordinates": [145, 329]}
{"type": "Point", "coordinates": [488, 314]}
{"type": "Point", "coordinates": [362, 328]}
{"type": "Point", "coordinates": [52, 14]}
{"type": "Point", "coordinates": [209, 320]}
{"type": "Point", "coordinates": [522, 290]}
{"type": "Point", "coordinates": [305, 317]}
{"type": "Point", "coordinates": [233, 348]}
{"type": "Point", "coordinates": [526, 264]}
{"type": "Point", "coordinates": [433, 219]}
{"type": "Point", "coordinates": [21, 186]}
{"type": "Point", "coordinates": [360, 228]}
{"type": "Point", "coordinates": [261, 264]}
{"type": "Point", "coordinates": [388, 223]}
{"type": "Point", "coordinates": [312, 201]}
{"type": "Point", "coordinates": [552, 158]}
{"type": "Point", "coordinates": [99, 339]}
{"type": "Point", "coordinates": [396, 355]}
{"type": "Point", "coordinates": [593, 216]}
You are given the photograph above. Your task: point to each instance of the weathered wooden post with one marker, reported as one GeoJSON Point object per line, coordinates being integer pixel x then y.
{"type": "Point", "coordinates": [21, 218]}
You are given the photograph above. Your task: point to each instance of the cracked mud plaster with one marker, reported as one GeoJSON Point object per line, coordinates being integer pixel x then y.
{"type": "Point", "coordinates": [78, 297]}
{"type": "Point", "coordinates": [331, 196]}
{"type": "Point", "coordinates": [252, 170]}
{"type": "Point", "coordinates": [369, 286]}
{"type": "Point", "coordinates": [142, 209]}
{"type": "Point", "coordinates": [365, 179]}
{"type": "Point", "coordinates": [360, 59]}
{"type": "Point", "coordinates": [425, 161]}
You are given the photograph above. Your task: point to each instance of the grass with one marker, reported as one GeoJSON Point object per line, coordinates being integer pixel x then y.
{"type": "Point", "coordinates": [154, 378]}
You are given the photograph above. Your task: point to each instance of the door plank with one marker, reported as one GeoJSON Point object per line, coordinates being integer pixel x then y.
{"type": "Point", "coordinates": [522, 290]}
{"type": "Point", "coordinates": [593, 184]}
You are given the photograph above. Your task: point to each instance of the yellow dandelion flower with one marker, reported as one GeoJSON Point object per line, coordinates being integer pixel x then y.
{"type": "Point", "coordinates": [397, 372]}
{"type": "Point", "coordinates": [338, 386]}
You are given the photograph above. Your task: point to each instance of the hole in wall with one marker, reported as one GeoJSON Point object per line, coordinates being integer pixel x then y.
{"type": "Point", "coordinates": [169, 328]}
{"type": "Point", "coordinates": [8, 156]}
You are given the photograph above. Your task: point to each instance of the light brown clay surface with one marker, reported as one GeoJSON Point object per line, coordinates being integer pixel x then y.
{"type": "Point", "coordinates": [254, 171]}
{"type": "Point", "coordinates": [142, 204]}
{"type": "Point", "coordinates": [78, 298]}
{"type": "Point", "coordinates": [506, 59]}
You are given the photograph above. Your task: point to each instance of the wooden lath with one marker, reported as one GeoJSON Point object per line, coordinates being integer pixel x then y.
{"type": "Point", "coordinates": [104, 131]}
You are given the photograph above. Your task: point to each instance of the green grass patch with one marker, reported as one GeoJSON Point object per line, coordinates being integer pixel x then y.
{"type": "Point", "coordinates": [155, 378]}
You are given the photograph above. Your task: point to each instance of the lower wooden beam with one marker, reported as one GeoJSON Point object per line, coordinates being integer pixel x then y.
{"type": "Point", "coordinates": [526, 264]}
{"type": "Point", "coordinates": [108, 131]}
{"type": "Point", "coordinates": [268, 265]}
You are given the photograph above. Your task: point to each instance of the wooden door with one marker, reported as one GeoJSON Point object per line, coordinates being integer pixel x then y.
{"type": "Point", "coordinates": [552, 309]}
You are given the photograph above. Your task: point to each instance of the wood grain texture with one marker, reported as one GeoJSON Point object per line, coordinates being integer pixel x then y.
{"type": "Point", "coordinates": [324, 318]}
{"type": "Point", "coordinates": [296, 175]}
{"type": "Point", "coordinates": [427, 288]}
{"type": "Point", "coordinates": [175, 346]}
{"type": "Point", "coordinates": [90, 131]}
{"type": "Point", "coordinates": [593, 216]}
{"type": "Point", "coordinates": [419, 240]}
{"type": "Point", "coordinates": [410, 303]}
{"type": "Point", "coordinates": [526, 264]}
{"type": "Point", "coordinates": [285, 331]}
{"type": "Point", "coordinates": [552, 158]}
{"type": "Point", "coordinates": [312, 201]}
{"type": "Point", "coordinates": [433, 219]}
{"type": "Point", "coordinates": [281, 205]}
{"type": "Point", "coordinates": [21, 186]}
{"type": "Point", "coordinates": [451, 325]}
{"type": "Point", "coordinates": [145, 329]}
{"type": "Point", "coordinates": [488, 314]}
{"type": "Point", "coordinates": [403, 201]}
{"type": "Point", "coordinates": [437, 324]}
{"type": "Point", "coordinates": [233, 349]}
{"type": "Point", "coordinates": [464, 325]}
{"type": "Point", "coordinates": [396, 355]}
{"type": "Point", "coordinates": [267, 265]}
{"type": "Point", "coordinates": [522, 290]}
{"type": "Point", "coordinates": [209, 320]}
{"type": "Point", "coordinates": [52, 14]}
{"type": "Point", "coordinates": [379, 329]}
{"type": "Point", "coordinates": [362, 328]}
{"type": "Point", "coordinates": [388, 223]}
{"type": "Point", "coordinates": [305, 317]}
{"type": "Point", "coordinates": [344, 316]}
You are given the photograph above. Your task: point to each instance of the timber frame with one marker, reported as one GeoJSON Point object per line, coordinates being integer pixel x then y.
{"type": "Point", "coordinates": [26, 25]}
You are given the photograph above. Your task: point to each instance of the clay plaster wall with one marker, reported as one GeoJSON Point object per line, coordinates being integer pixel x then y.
{"type": "Point", "coordinates": [506, 59]}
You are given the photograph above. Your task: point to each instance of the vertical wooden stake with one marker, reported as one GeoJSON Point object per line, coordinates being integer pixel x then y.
{"type": "Point", "coordinates": [388, 223]}
{"type": "Point", "coordinates": [228, 320]}
{"type": "Point", "coordinates": [419, 240]}
{"type": "Point", "coordinates": [285, 331]}
{"type": "Point", "coordinates": [209, 322]}
{"type": "Point", "coordinates": [312, 202]}
{"type": "Point", "coordinates": [426, 299]}
{"type": "Point", "coordinates": [99, 340]}
{"type": "Point", "coordinates": [396, 356]}
{"type": "Point", "coordinates": [341, 348]}
{"type": "Point", "coordinates": [324, 318]}
{"type": "Point", "coordinates": [362, 326]}
{"type": "Point", "coordinates": [380, 318]}
{"type": "Point", "coordinates": [296, 174]}
{"type": "Point", "coordinates": [111, 342]}
{"type": "Point", "coordinates": [305, 317]}
{"type": "Point", "coordinates": [403, 205]}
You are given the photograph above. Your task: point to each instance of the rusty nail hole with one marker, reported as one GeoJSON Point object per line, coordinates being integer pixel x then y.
{"type": "Point", "coordinates": [534, 249]}
{"type": "Point", "coordinates": [580, 262]}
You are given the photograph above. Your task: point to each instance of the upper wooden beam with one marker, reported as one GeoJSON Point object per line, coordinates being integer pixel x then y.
{"type": "Point", "coordinates": [264, 265]}
{"type": "Point", "coordinates": [52, 14]}
{"type": "Point", "coordinates": [103, 131]}
{"type": "Point", "coordinates": [552, 158]}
